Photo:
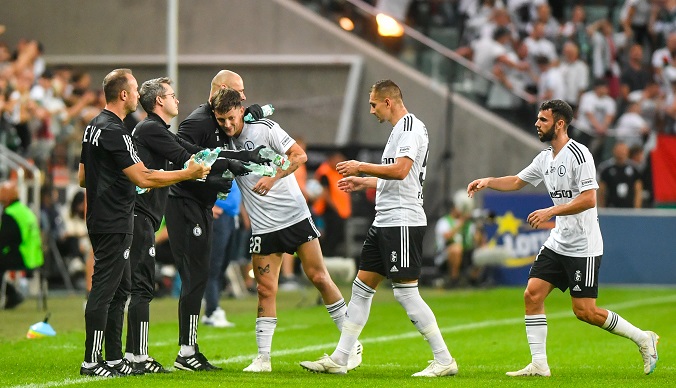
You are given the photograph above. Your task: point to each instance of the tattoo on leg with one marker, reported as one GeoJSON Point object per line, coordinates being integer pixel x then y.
{"type": "Point", "coordinates": [260, 310]}
{"type": "Point", "coordinates": [262, 270]}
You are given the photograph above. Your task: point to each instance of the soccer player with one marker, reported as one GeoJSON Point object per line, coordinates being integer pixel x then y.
{"type": "Point", "coordinates": [571, 256]}
{"type": "Point", "coordinates": [393, 246]}
{"type": "Point", "coordinates": [280, 222]}
{"type": "Point", "coordinates": [110, 169]}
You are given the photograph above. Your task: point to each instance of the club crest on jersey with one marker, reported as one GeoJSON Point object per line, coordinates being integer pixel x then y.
{"type": "Point", "coordinates": [151, 251]}
{"type": "Point", "coordinates": [249, 145]}
{"type": "Point", "coordinates": [126, 254]}
{"type": "Point", "coordinates": [578, 275]}
{"type": "Point", "coordinates": [393, 256]}
{"type": "Point", "coordinates": [561, 170]}
{"type": "Point", "coordinates": [197, 231]}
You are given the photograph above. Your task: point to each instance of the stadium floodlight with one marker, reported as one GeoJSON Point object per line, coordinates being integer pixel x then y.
{"type": "Point", "coordinates": [346, 23]}
{"type": "Point", "coordinates": [387, 26]}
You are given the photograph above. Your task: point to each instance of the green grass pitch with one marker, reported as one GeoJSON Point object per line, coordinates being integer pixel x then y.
{"type": "Point", "coordinates": [483, 328]}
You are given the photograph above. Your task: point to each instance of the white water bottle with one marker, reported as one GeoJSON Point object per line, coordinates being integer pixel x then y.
{"type": "Point", "coordinates": [262, 169]}
{"type": "Point", "coordinates": [268, 109]}
{"type": "Point", "coordinates": [276, 159]}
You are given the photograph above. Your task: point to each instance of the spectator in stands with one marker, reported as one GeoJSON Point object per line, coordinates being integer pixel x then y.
{"type": "Point", "coordinates": [552, 28]}
{"type": "Point", "coordinates": [631, 129]}
{"type": "Point", "coordinates": [575, 30]}
{"type": "Point", "coordinates": [635, 76]}
{"type": "Point", "coordinates": [605, 51]}
{"type": "Point", "coordinates": [333, 205]}
{"type": "Point", "coordinates": [635, 19]}
{"type": "Point", "coordinates": [449, 232]}
{"type": "Point", "coordinates": [663, 58]}
{"type": "Point", "coordinates": [595, 115]}
{"type": "Point", "coordinates": [539, 45]}
{"type": "Point", "coordinates": [575, 72]}
{"type": "Point", "coordinates": [620, 182]}
{"type": "Point", "coordinates": [670, 101]}
{"type": "Point", "coordinates": [651, 101]}
{"type": "Point", "coordinates": [499, 18]}
{"type": "Point", "coordinates": [74, 242]}
{"type": "Point", "coordinates": [21, 109]}
{"type": "Point", "coordinates": [501, 98]}
{"type": "Point", "coordinates": [551, 84]}
{"type": "Point", "coordinates": [488, 52]}
{"type": "Point", "coordinates": [20, 242]}
{"type": "Point", "coordinates": [663, 20]}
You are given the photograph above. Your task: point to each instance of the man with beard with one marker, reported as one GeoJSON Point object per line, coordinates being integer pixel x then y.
{"type": "Point", "coordinates": [571, 256]}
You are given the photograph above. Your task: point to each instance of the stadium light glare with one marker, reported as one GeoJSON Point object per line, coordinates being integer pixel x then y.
{"type": "Point", "coordinates": [387, 26]}
{"type": "Point", "coordinates": [346, 23]}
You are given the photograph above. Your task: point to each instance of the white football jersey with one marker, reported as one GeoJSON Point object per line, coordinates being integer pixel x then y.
{"type": "Point", "coordinates": [284, 205]}
{"type": "Point", "coordinates": [566, 176]}
{"type": "Point", "coordinates": [400, 202]}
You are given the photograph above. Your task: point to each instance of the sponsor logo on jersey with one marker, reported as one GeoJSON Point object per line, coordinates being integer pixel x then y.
{"type": "Point", "coordinates": [197, 231]}
{"type": "Point", "coordinates": [586, 182]}
{"type": "Point", "coordinates": [394, 269]}
{"type": "Point", "coordinates": [285, 141]}
{"type": "Point", "coordinates": [126, 254]}
{"type": "Point", "coordinates": [393, 256]}
{"type": "Point", "coordinates": [404, 148]}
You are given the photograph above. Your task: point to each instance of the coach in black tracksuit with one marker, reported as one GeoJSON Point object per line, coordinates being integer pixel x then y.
{"type": "Point", "coordinates": [158, 147]}
{"type": "Point", "coordinates": [189, 223]}
{"type": "Point", "coordinates": [109, 169]}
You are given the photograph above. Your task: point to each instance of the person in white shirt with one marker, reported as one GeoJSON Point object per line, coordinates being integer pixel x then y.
{"type": "Point", "coordinates": [575, 72]}
{"type": "Point", "coordinates": [571, 257]}
{"type": "Point", "coordinates": [393, 246]}
{"type": "Point", "coordinates": [280, 223]}
{"type": "Point", "coordinates": [631, 127]}
{"type": "Point", "coordinates": [551, 84]}
{"type": "Point", "coordinates": [595, 115]}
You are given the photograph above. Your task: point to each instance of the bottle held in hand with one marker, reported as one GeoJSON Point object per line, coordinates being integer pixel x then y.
{"type": "Point", "coordinates": [276, 159]}
{"type": "Point", "coordinates": [262, 169]}
{"type": "Point", "coordinates": [268, 109]}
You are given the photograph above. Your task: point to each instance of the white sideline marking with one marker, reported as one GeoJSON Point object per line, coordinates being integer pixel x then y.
{"type": "Point", "coordinates": [450, 329]}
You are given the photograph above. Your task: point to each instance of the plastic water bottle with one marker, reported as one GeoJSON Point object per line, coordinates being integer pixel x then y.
{"type": "Point", "coordinates": [206, 157]}
{"type": "Point", "coordinates": [141, 191]}
{"type": "Point", "coordinates": [262, 169]}
{"type": "Point", "coordinates": [275, 158]}
{"type": "Point", "coordinates": [268, 109]}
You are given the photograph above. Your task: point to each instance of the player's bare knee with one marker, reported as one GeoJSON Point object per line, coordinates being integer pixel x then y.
{"type": "Point", "coordinates": [532, 298]}
{"type": "Point", "coordinates": [320, 279]}
{"type": "Point", "coordinates": [584, 314]}
{"type": "Point", "coordinates": [266, 290]}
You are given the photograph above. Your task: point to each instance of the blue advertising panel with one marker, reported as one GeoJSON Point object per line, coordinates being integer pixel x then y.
{"type": "Point", "coordinates": [512, 231]}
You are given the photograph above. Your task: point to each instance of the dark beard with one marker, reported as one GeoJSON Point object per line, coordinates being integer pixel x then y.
{"type": "Point", "coordinates": [547, 136]}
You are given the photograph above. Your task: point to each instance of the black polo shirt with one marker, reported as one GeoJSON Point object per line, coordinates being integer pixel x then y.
{"type": "Point", "coordinates": [157, 147]}
{"type": "Point", "coordinates": [107, 149]}
{"type": "Point", "coordinates": [201, 129]}
{"type": "Point", "coordinates": [620, 180]}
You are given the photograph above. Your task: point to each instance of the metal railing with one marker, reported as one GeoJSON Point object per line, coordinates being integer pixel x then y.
{"type": "Point", "coordinates": [28, 176]}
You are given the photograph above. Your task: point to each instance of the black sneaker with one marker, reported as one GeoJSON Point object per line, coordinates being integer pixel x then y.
{"type": "Point", "coordinates": [125, 368]}
{"type": "Point", "coordinates": [194, 363]}
{"type": "Point", "coordinates": [150, 365]}
{"type": "Point", "coordinates": [100, 369]}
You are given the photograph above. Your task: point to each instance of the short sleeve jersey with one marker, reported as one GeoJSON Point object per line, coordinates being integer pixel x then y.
{"type": "Point", "coordinates": [400, 202]}
{"type": "Point", "coordinates": [567, 175]}
{"type": "Point", "coordinates": [107, 149]}
{"type": "Point", "coordinates": [284, 205]}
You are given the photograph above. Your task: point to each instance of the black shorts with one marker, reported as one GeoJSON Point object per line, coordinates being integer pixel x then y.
{"type": "Point", "coordinates": [579, 274]}
{"type": "Point", "coordinates": [284, 240]}
{"type": "Point", "coordinates": [394, 252]}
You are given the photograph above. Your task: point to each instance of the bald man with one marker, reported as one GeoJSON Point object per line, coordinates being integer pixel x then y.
{"type": "Point", "coordinates": [20, 243]}
{"type": "Point", "coordinates": [190, 223]}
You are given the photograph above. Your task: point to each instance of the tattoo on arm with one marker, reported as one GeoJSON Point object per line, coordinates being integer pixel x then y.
{"type": "Point", "coordinates": [149, 171]}
{"type": "Point", "coordinates": [264, 270]}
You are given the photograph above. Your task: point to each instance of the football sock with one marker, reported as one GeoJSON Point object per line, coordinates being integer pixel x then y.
{"type": "Point", "coordinates": [88, 364]}
{"type": "Point", "coordinates": [536, 332]}
{"type": "Point", "coordinates": [337, 312]}
{"type": "Point", "coordinates": [129, 356]}
{"type": "Point", "coordinates": [141, 357]}
{"type": "Point", "coordinates": [186, 351]}
{"type": "Point", "coordinates": [113, 362]}
{"type": "Point", "coordinates": [357, 314]}
{"type": "Point", "coordinates": [423, 319]}
{"type": "Point", "coordinates": [265, 328]}
{"type": "Point", "coordinates": [619, 326]}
